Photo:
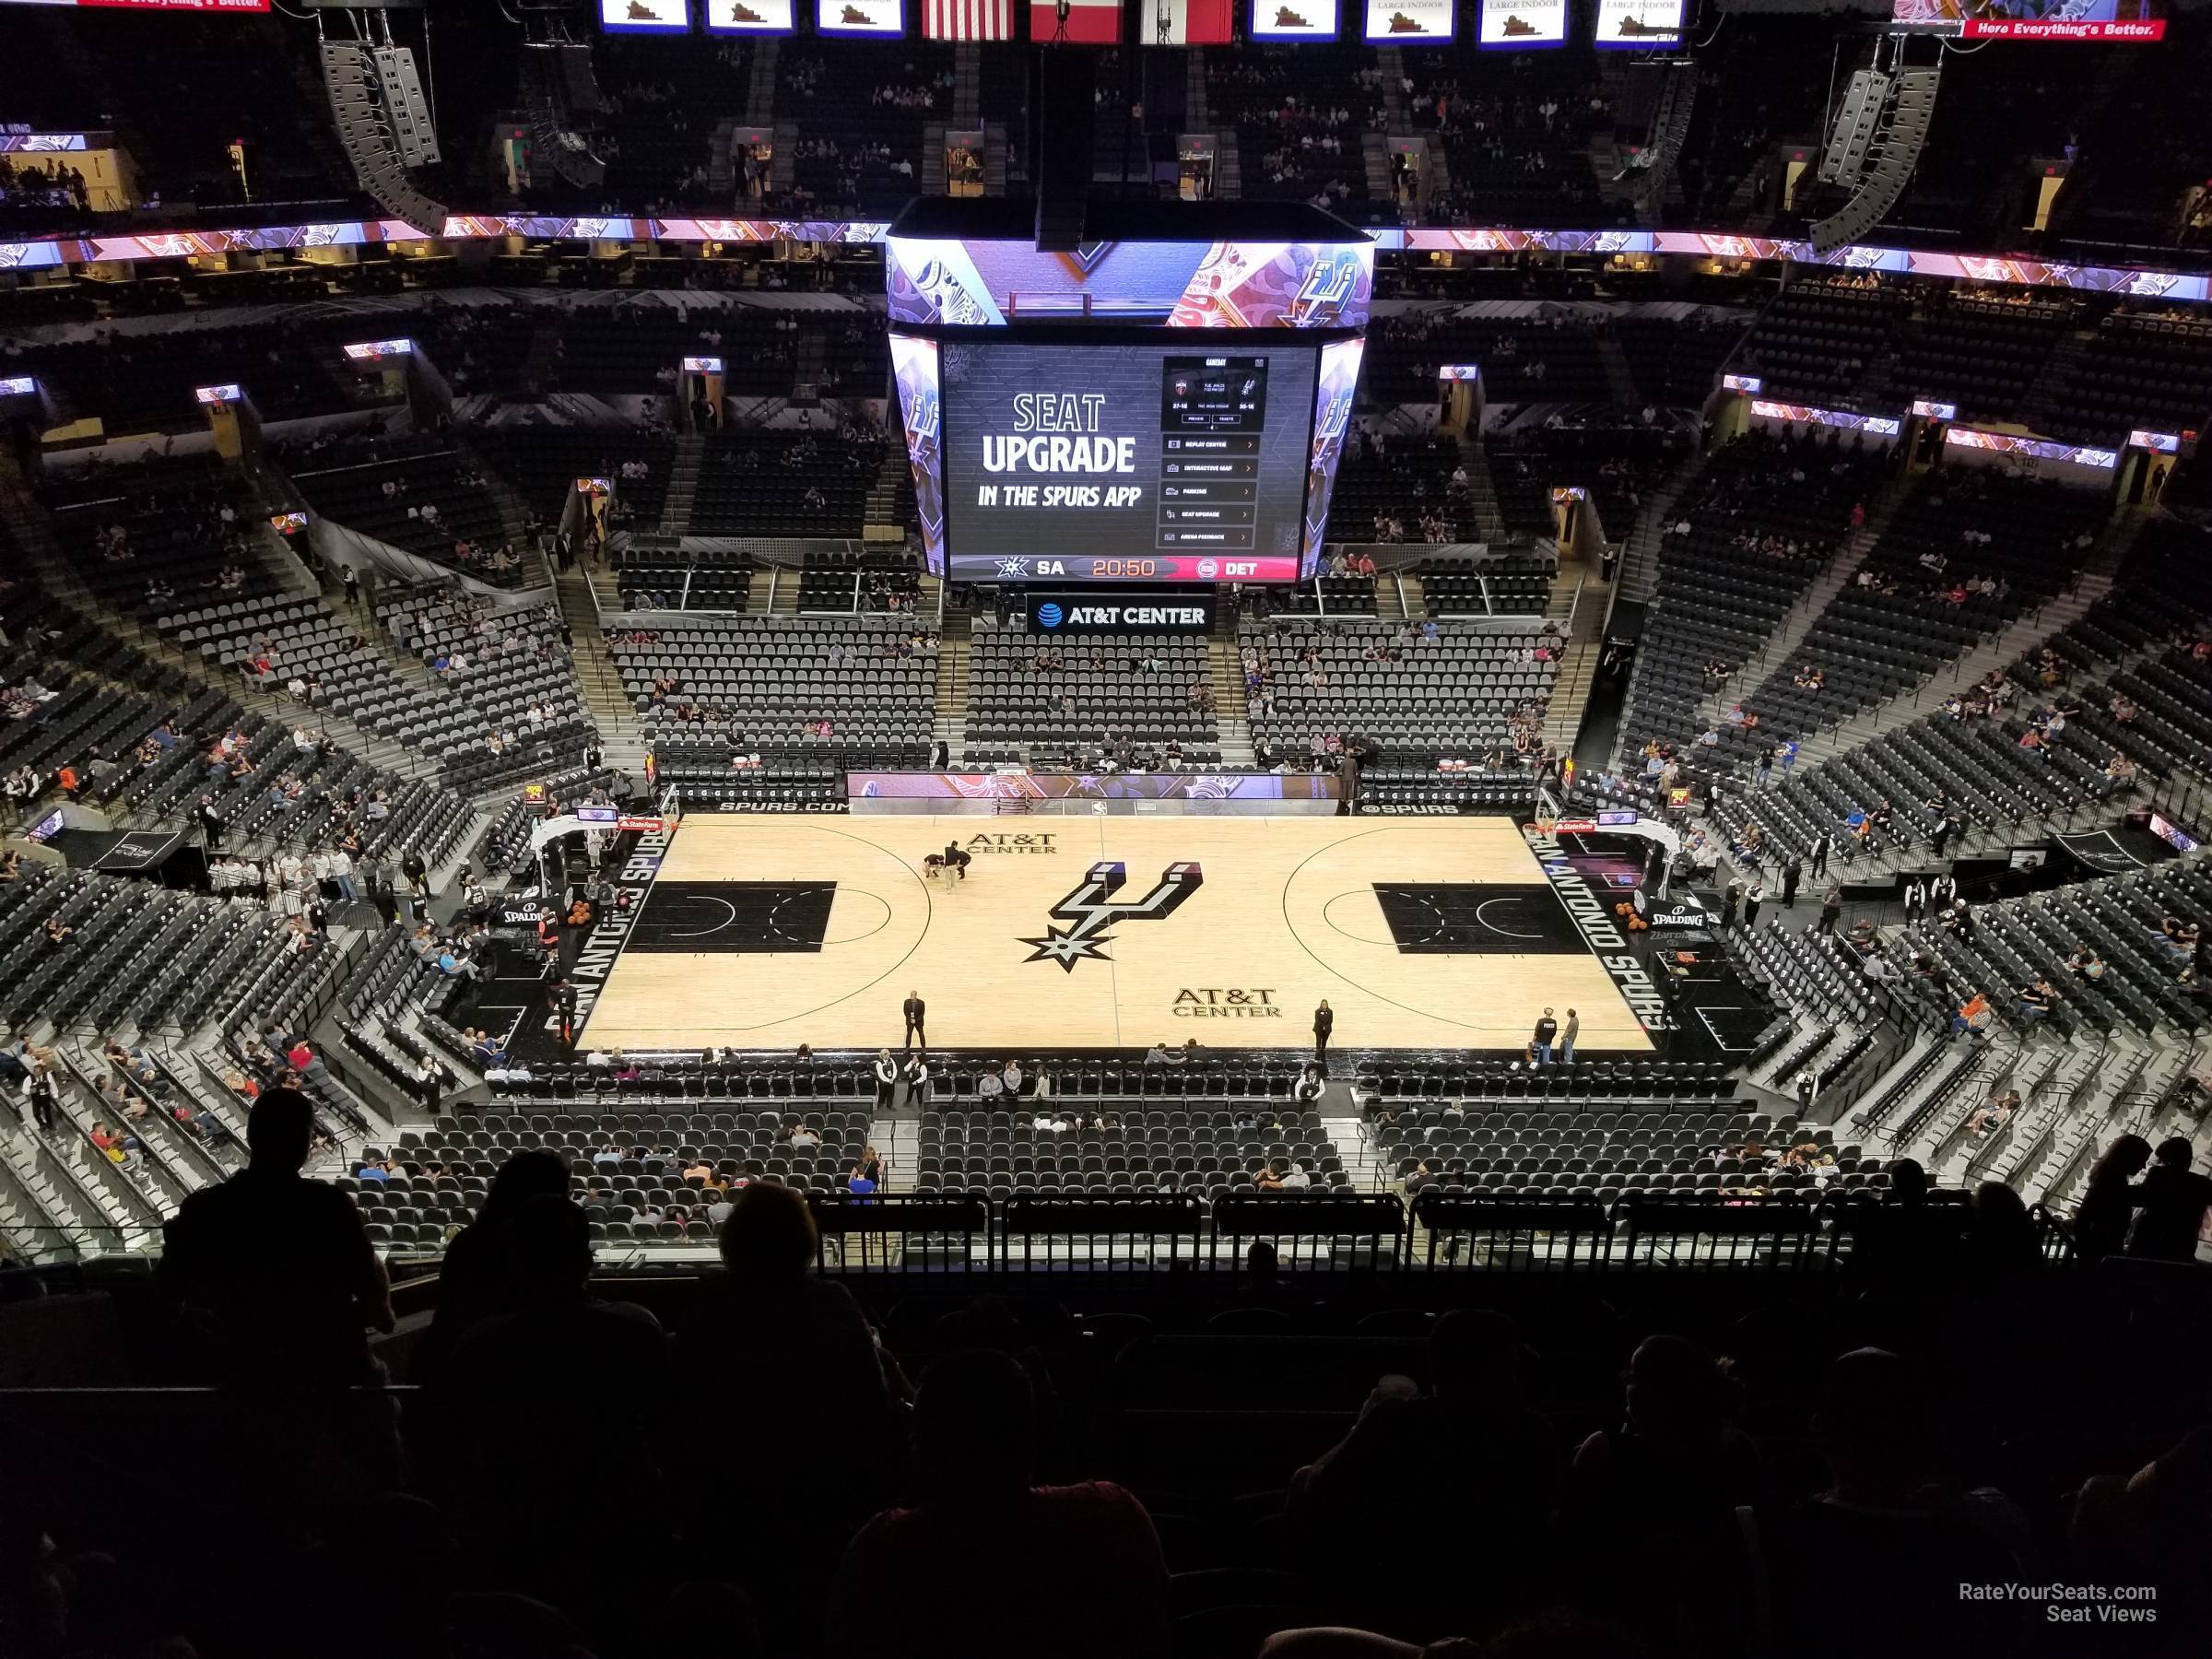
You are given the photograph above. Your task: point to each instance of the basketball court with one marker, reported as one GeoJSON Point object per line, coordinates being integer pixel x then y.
{"type": "Point", "coordinates": [1103, 932]}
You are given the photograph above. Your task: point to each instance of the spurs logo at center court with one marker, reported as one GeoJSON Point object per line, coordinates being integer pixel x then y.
{"type": "Point", "coordinates": [1093, 909]}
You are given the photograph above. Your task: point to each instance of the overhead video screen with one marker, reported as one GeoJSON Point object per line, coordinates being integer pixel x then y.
{"type": "Point", "coordinates": [1412, 23]}
{"type": "Point", "coordinates": [1638, 24]}
{"type": "Point", "coordinates": [1294, 19]}
{"type": "Point", "coordinates": [1125, 463]}
{"type": "Point", "coordinates": [170, 6]}
{"type": "Point", "coordinates": [1521, 25]}
{"type": "Point", "coordinates": [750, 16]}
{"type": "Point", "coordinates": [645, 16]}
{"type": "Point", "coordinates": [2032, 19]}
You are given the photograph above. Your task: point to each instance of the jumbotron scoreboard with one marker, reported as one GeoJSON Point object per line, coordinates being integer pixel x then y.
{"type": "Point", "coordinates": [1127, 461]}
{"type": "Point", "coordinates": [1153, 411]}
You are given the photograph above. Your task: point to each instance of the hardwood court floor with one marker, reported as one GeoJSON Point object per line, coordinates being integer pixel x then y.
{"type": "Point", "coordinates": [1421, 932]}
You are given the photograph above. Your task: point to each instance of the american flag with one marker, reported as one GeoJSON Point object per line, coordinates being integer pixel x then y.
{"type": "Point", "coordinates": [968, 20]}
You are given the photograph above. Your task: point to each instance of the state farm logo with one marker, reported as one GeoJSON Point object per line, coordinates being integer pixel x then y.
{"type": "Point", "coordinates": [1010, 844]}
{"type": "Point", "coordinates": [1225, 1001]}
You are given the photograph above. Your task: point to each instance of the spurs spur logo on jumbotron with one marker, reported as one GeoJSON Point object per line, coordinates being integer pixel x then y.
{"type": "Point", "coordinates": [1092, 908]}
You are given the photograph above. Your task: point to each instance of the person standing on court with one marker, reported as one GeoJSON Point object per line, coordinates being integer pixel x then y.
{"type": "Point", "coordinates": [887, 1080]}
{"type": "Point", "coordinates": [1325, 1026]}
{"type": "Point", "coordinates": [1753, 898]}
{"type": "Point", "coordinates": [1546, 1029]}
{"type": "Point", "coordinates": [914, 1008]}
{"type": "Point", "coordinates": [1567, 1034]}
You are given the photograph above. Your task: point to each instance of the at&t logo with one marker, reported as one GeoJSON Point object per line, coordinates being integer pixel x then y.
{"type": "Point", "coordinates": [1048, 616]}
{"type": "Point", "coordinates": [1220, 1002]}
{"type": "Point", "coordinates": [1011, 843]}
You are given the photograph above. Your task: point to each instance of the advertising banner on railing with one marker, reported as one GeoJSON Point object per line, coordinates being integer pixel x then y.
{"type": "Point", "coordinates": [2030, 450]}
{"type": "Point", "coordinates": [1876, 426]}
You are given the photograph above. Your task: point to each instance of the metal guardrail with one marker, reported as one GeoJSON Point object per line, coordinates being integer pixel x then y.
{"type": "Point", "coordinates": [970, 1238]}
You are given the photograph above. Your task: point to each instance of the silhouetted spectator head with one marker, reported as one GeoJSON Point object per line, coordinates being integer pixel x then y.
{"type": "Point", "coordinates": [770, 1234]}
{"type": "Point", "coordinates": [2000, 1231]}
{"type": "Point", "coordinates": [546, 1249]}
{"type": "Point", "coordinates": [1263, 1262]}
{"type": "Point", "coordinates": [974, 1416]}
{"type": "Point", "coordinates": [2156, 1522]}
{"type": "Point", "coordinates": [1908, 1181]}
{"type": "Point", "coordinates": [532, 1174]}
{"type": "Point", "coordinates": [1676, 1390]}
{"type": "Point", "coordinates": [279, 1129]}
{"type": "Point", "coordinates": [2176, 1150]}
{"type": "Point", "coordinates": [1561, 1634]}
{"type": "Point", "coordinates": [1557, 1633]}
{"type": "Point", "coordinates": [2120, 1164]}
{"type": "Point", "coordinates": [1474, 1356]}
{"type": "Point", "coordinates": [1872, 1427]}
{"type": "Point", "coordinates": [2174, 1490]}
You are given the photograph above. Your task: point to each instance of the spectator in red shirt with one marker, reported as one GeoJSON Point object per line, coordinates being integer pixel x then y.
{"type": "Point", "coordinates": [989, 1566]}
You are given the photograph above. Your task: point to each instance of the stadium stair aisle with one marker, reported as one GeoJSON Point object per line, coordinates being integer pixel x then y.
{"type": "Point", "coordinates": [1482, 493]}
{"type": "Point", "coordinates": [1999, 650]}
{"type": "Point", "coordinates": [514, 515]}
{"type": "Point", "coordinates": [1578, 669]}
{"type": "Point", "coordinates": [949, 725]}
{"type": "Point", "coordinates": [1811, 604]}
{"type": "Point", "coordinates": [1639, 570]}
{"type": "Point", "coordinates": [682, 484]}
{"type": "Point", "coordinates": [597, 677]}
{"type": "Point", "coordinates": [1233, 710]}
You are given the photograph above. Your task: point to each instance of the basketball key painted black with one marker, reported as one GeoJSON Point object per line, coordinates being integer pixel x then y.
{"type": "Point", "coordinates": [733, 917]}
{"type": "Point", "coordinates": [1477, 918]}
